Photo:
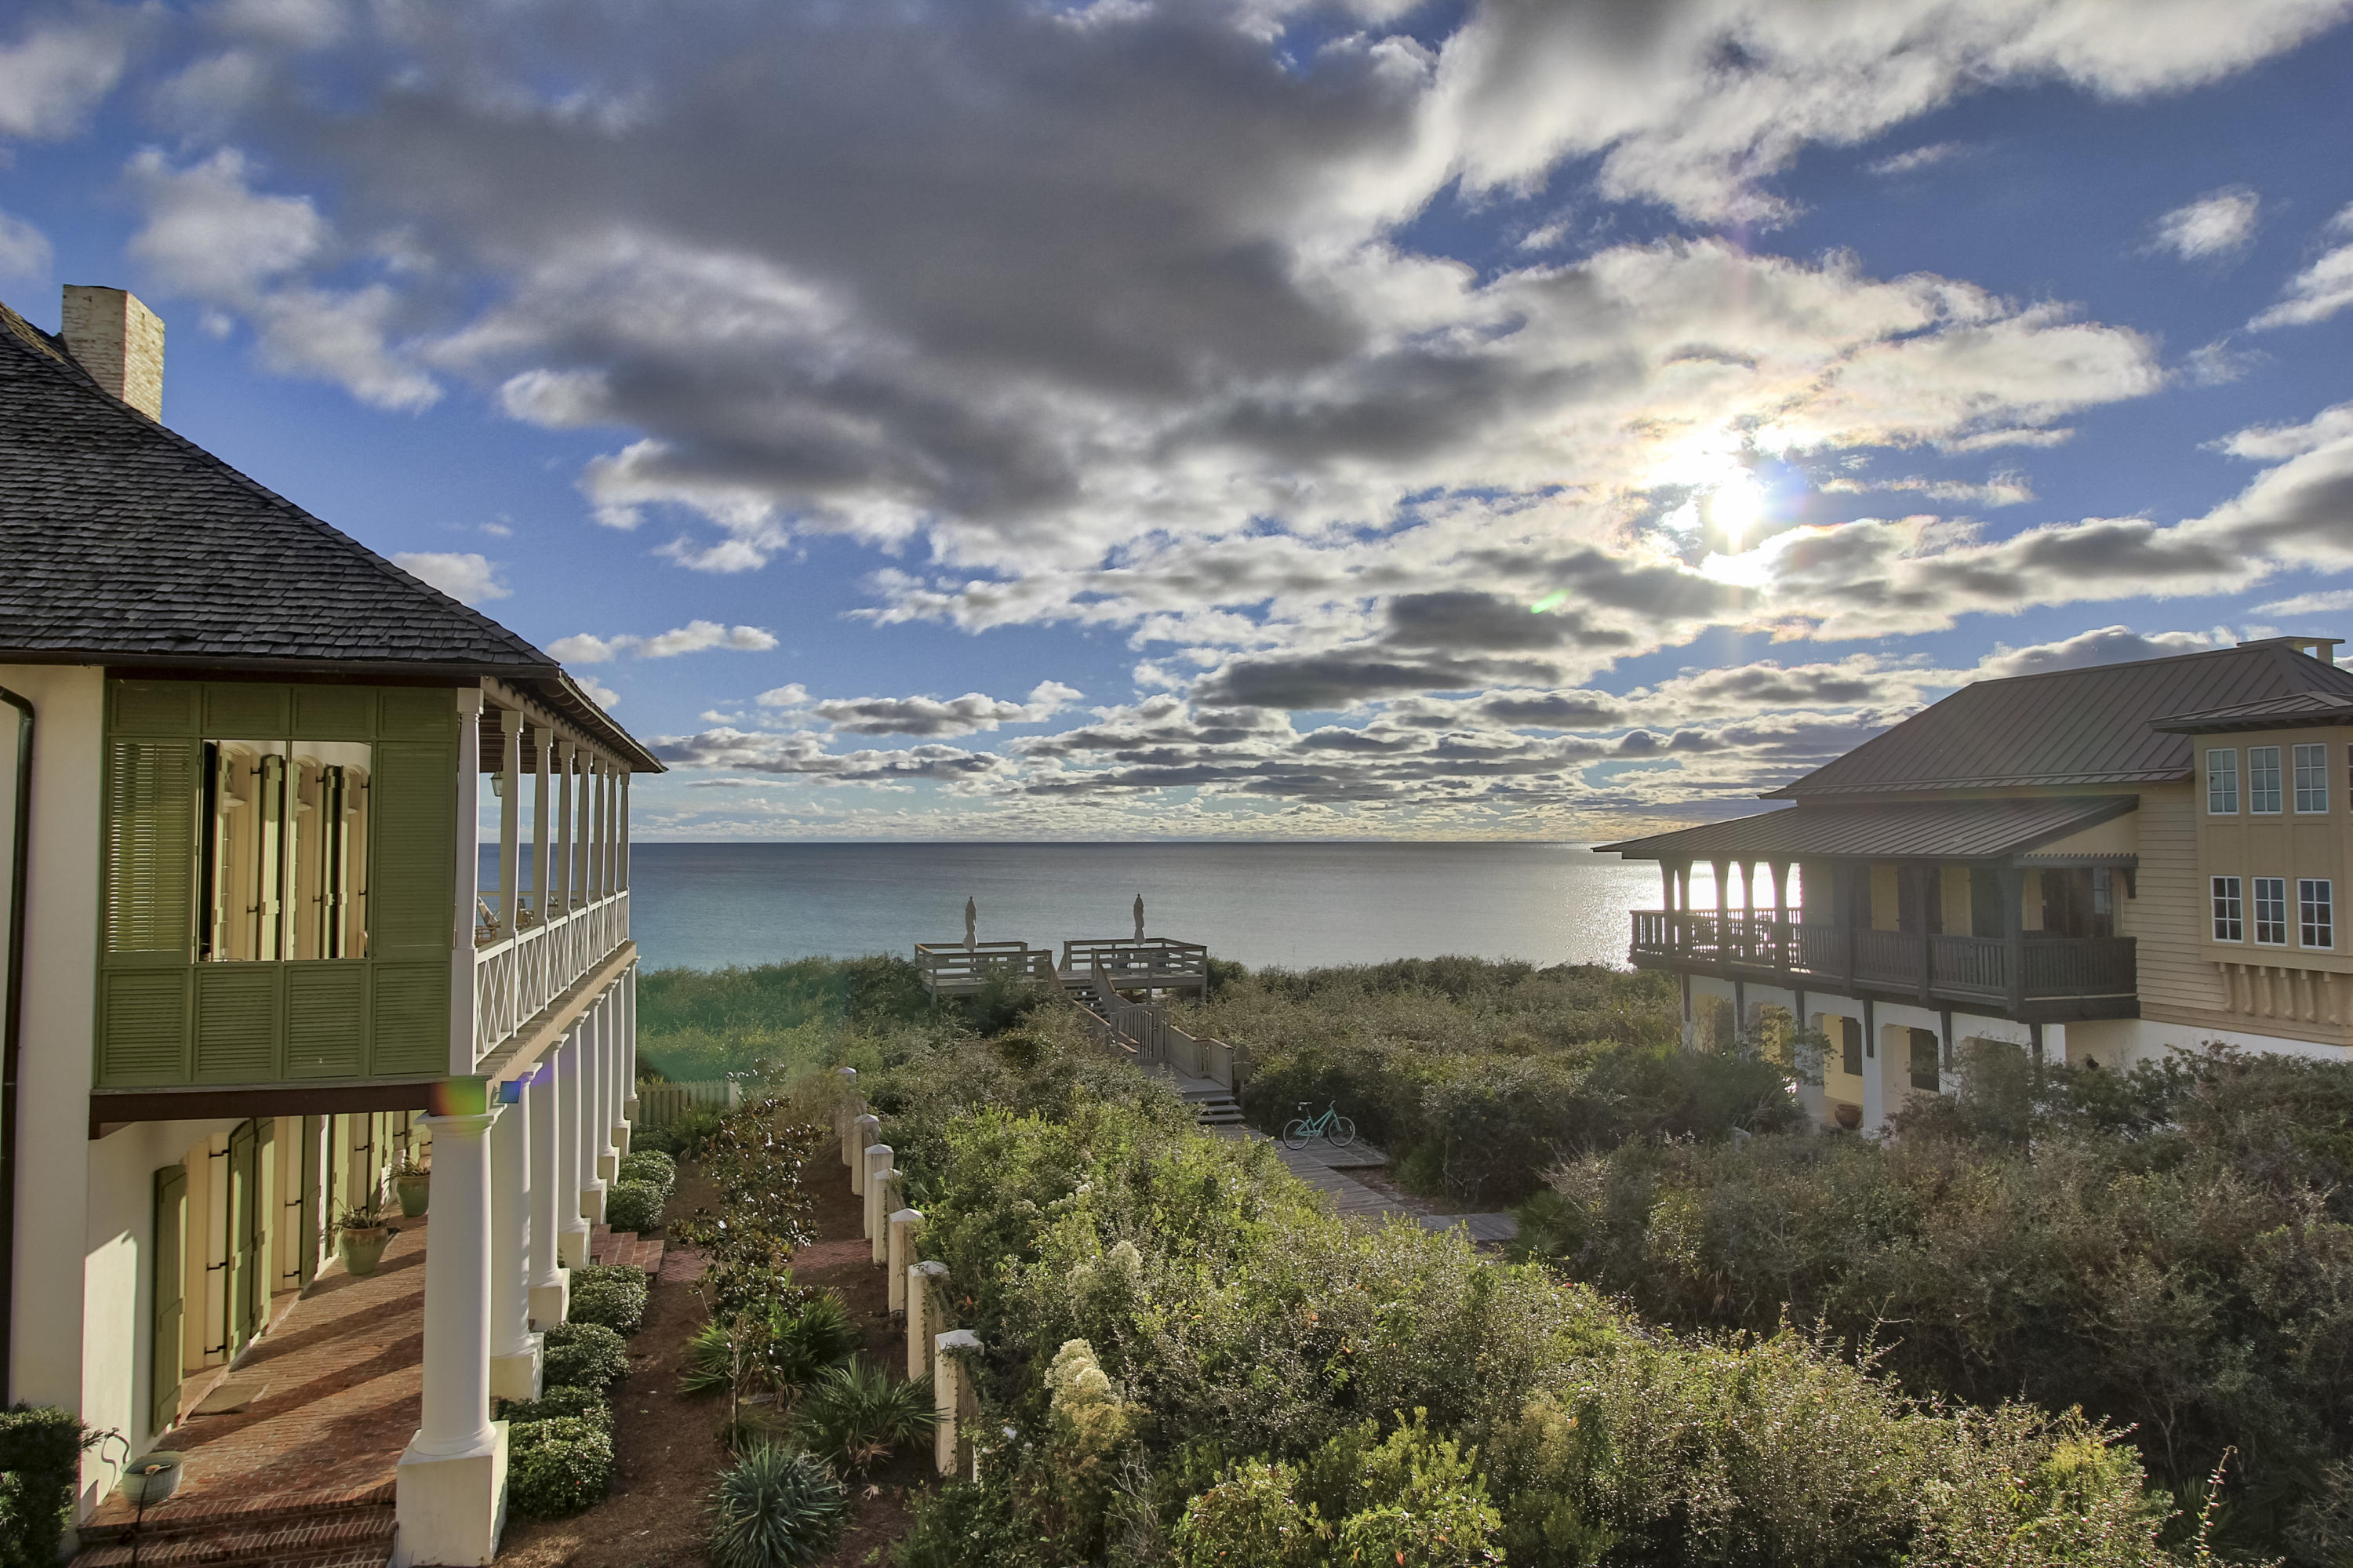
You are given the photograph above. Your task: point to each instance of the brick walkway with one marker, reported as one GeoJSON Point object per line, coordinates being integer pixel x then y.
{"type": "Point", "coordinates": [304, 1473]}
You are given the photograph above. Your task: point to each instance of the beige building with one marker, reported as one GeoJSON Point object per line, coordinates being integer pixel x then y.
{"type": "Point", "coordinates": [2094, 866]}
{"type": "Point", "coordinates": [259, 950]}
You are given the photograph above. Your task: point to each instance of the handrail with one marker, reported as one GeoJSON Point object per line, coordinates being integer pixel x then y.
{"type": "Point", "coordinates": [518, 974]}
{"type": "Point", "coordinates": [1947, 965]}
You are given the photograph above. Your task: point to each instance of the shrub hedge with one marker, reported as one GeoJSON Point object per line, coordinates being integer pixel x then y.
{"type": "Point", "coordinates": [611, 1294]}
{"type": "Point", "coordinates": [40, 1460]}
{"type": "Point", "coordinates": [585, 1355]}
{"type": "Point", "coordinates": [653, 1166]}
{"type": "Point", "coordinates": [558, 1466]}
{"type": "Point", "coordinates": [634, 1205]}
{"type": "Point", "coordinates": [560, 1400]}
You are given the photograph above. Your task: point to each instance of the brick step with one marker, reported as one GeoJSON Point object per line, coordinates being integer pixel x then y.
{"type": "Point", "coordinates": [184, 1512]}
{"type": "Point", "coordinates": [361, 1537]}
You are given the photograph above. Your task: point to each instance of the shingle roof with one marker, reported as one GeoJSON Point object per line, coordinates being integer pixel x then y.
{"type": "Point", "coordinates": [2267, 713]}
{"type": "Point", "coordinates": [127, 543]}
{"type": "Point", "coordinates": [1939, 829]}
{"type": "Point", "coordinates": [2068, 727]}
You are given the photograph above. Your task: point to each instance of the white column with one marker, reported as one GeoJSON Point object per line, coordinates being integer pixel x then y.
{"type": "Point", "coordinates": [904, 1224]}
{"type": "Point", "coordinates": [616, 1075]}
{"type": "Point", "coordinates": [571, 1149]}
{"type": "Point", "coordinates": [593, 1171]}
{"type": "Point", "coordinates": [1875, 1108]}
{"type": "Point", "coordinates": [543, 838]}
{"type": "Point", "coordinates": [562, 885]}
{"type": "Point", "coordinates": [949, 1376]}
{"type": "Point", "coordinates": [922, 1279]}
{"type": "Point", "coordinates": [630, 1040]}
{"type": "Point", "coordinates": [509, 818]}
{"type": "Point", "coordinates": [470, 875]}
{"type": "Point", "coordinates": [878, 1166]}
{"type": "Point", "coordinates": [865, 1133]}
{"type": "Point", "coordinates": [625, 830]}
{"type": "Point", "coordinates": [514, 1348]}
{"type": "Point", "coordinates": [551, 1290]}
{"type": "Point", "coordinates": [582, 830]}
{"type": "Point", "coordinates": [451, 1480]}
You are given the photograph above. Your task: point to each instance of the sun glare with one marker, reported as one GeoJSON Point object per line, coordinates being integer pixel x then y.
{"type": "Point", "coordinates": [1736, 507]}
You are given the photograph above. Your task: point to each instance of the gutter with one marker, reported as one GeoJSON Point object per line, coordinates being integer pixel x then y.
{"type": "Point", "coordinates": [12, 1033]}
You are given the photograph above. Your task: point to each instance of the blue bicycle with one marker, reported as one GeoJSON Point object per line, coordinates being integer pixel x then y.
{"type": "Point", "coordinates": [1336, 1128]}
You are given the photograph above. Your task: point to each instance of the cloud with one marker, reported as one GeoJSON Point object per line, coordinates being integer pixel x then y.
{"type": "Point", "coordinates": [2218, 225]}
{"type": "Point", "coordinates": [2105, 645]}
{"type": "Point", "coordinates": [932, 716]}
{"type": "Point", "coordinates": [603, 695]}
{"type": "Point", "coordinates": [803, 754]}
{"type": "Point", "coordinates": [695, 637]}
{"type": "Point", "coordinates": [468, 578]}
{"type": "Point", "coordinates": [1918, 158]}
{"type": "Point", "coordinates": [59, 67]}
{"type": "Point", "coordinates": [24, 249]}
{"type": "Point", "coordinates": [2331, 602]}
{"type": "Point", "coordinates": [2321, 290]}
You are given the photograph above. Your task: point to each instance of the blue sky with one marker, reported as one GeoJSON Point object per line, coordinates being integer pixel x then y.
{"type": "Point", "coordinates": [1344, 419]}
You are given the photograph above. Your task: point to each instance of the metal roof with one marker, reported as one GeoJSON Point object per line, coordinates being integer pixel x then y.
{"type": "Point", "coordinates": [1898, 830]}
{"type": "Point", "coordinates": [2069, 726]}
{"type": "Point", "coordinates": [127, 544]}
{"type": "Point", "coordinates": [2293, 711]}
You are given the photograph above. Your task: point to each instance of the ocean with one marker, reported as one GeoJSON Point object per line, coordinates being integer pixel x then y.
{"type": "Point", "coordinates": [1295, 904]}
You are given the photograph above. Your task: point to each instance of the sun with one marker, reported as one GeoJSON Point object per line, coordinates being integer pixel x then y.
{"type": "Point", "coordinates": [1736, 506]}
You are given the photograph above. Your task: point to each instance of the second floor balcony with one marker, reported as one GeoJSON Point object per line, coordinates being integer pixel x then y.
{"type": "Point", "coordinates": [2029, 975]}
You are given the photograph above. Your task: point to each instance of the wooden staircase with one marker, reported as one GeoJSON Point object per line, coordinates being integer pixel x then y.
{"type": "Point", "coordinates": [1213, 1105]}
{"type": "Point", "coordinates": [289, 1529]}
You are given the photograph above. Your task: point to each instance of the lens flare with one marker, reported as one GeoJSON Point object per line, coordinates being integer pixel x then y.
{"type": "Point", "coordinates": [1736, 506]}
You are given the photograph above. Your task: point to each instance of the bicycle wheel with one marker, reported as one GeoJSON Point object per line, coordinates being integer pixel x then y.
{"type": "Point", "coordinates": [1342, 1132]}
{"type": "Point", "coordinates": [1295, 1135]}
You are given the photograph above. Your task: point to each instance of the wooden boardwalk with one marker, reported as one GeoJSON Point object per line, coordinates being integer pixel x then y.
{"type": "Point", "coordinates": [1327, 1169]}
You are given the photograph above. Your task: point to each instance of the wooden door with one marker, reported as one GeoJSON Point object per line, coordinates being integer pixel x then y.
{"type": "Point", "coordinates": [244, 1265]}
{"type": "Point", "coordinates": [307, 1203]}
{"type": "Point", "coordinates": [166, 1255]}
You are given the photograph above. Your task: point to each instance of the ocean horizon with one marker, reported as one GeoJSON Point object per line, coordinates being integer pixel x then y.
{"type": "Point", "coordinates": [1261, 902]}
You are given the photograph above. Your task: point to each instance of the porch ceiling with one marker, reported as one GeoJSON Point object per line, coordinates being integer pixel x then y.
{"type": "Point", "coordinates": [1926, 829]}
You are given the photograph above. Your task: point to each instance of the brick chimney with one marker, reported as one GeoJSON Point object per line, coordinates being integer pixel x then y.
{"type": "Point", "coordinates": [119, 342]}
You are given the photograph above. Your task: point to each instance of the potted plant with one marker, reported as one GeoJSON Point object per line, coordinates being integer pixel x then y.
{"type": "Point", "coordinates": [361, 1236]}
{"type": "Point", "coordinates": [150, 1478]}
{"type": "Point", "coordinates": [413, 1183]}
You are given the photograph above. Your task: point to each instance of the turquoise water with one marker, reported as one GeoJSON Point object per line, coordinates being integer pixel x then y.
{"type": "Point", "coordinates": [1294, 905]}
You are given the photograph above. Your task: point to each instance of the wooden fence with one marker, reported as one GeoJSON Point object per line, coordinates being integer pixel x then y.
{"type": "Point", "coordinates": [660, 1104]}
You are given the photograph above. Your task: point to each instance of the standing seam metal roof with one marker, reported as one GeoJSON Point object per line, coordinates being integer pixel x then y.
{"type": "Point", "coordinates": [2068, 727]}
{"type": "Point", "coordinates": [1895, 830]}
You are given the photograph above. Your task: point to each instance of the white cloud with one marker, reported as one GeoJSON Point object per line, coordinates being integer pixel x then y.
{"type": "Point", "coordinates": [789, 696]}
{"type": "Point", "coordinates": [2330, 601]}
{"type": "Point", "coordinates": [1918, 158]}
{"type": "Point", "coordinates": [695, 637]}
{"type": "Point", "coordinates": [2219, 224]}
{"type": "Point", "coordinates": [603, 695]}
{"type": "Point", "coordinates": [58, 70]}
{"type": "Point", "coordinates": [966, 715]}
{"type": "Point", "coordinates": [468, 578]}
{"type": "Point", "coordinates": [2321, 290]}
{"type": "Point", "coordinates": [24, 249]}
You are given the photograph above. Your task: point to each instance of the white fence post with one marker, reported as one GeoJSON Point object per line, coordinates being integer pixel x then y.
{"type": "Point", "coordinates": [903, 1225]}
{"type": "Point", "coordinates": [952, 1393]}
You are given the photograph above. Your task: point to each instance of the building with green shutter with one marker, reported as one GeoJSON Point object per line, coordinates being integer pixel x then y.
{"type": "Point", "coordinates": [308, 869]}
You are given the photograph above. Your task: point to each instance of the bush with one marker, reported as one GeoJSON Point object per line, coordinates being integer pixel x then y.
{"type": "Point", "coordinates": [857, 1416]}
{"type": "Point", "coordinates": [643, 1140]}
{"type": "Point", "coordinates": [778, 1507]}
{"type": "Point", "coordinates": [40, 1462]}
{"type": "Point", "coordinates": [634, 1205]}
{"type": "Point", "coordinates": [585, 1355]}
{"type": "Point", "coordinates": [650, 1165]}
{"type": "Point", "coordinates": [800, 1340]}
{"type": "Point", "coordinates": [1250, 1517]}
{"type": "Point", "coordinates": [611, 1294]}
{"type": "Point", "coordinates": [559, 1400]}
{"type": "Point", "coordinates": [695, 1130]}
{"type": "Point", "coordinates": [558, 1466]}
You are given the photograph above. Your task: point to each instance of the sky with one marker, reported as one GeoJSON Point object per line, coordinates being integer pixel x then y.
{"type": "Point", "coordinates": [1212, 419]}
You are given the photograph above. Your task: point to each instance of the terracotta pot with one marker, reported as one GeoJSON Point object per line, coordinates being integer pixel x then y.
{"type": "Point", "coordinates": [413, 1193]}
{"type": "Point", "coordinates": [1848, 1115]}
{"type": "Point", "coordinates": [360, 1250]}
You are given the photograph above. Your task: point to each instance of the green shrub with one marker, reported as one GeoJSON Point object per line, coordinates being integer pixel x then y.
{"type": "Point", "coordinates": [40, 1464]}
{"type": "Point", "coordinates": [857, 1416]}
{"type": "Point", "coordinates": [798, 1340]}
{"type": "Point", "coordinates": [585, 1355]}
{"type": "Point", "coordinates": [634, 1205]}
{"type": "Point", "coordinates": [1421, 1500]}
{"type": "Point", "coordinates": [1250, 1517]}
{"type": "Point", "coordinates": [695, 1130]}
{"type": "Point", "coordinates": [777, 1508]}
{"type": "Point", "coordinates": [710, 1359]}
{"type": "Point", "coordinates": [611, 1294]}
{"type": "Point", "coordinates": [652, 1166]}
{"type": "Point", "coordinates": [558, 1466]}
{"type": "Point", "coordinates": [645, 1139]}
{"type": "Point", "coordinates": [560, 1400]}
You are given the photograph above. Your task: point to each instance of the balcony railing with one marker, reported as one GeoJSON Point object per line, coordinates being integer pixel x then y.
{"type": "Point", "coordinates": [1950, 969]}
{"type": "Point", "coordinates": [516, 976]}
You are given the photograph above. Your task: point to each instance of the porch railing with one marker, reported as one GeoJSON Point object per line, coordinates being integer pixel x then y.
{"type": "Point", "coordinates": [1956, 968]}
{"type": "Point", "coordinates": [951, 969]}
{"type": "Point", "coordinates": [516, 975]}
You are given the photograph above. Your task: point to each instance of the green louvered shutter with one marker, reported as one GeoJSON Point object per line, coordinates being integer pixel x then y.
{"type": "Point", "coordinates": [151, 847]}
{"type": "Point", "coordinates": [413, 805]}
{"type": "Point", "coordinates": [163, 1357]}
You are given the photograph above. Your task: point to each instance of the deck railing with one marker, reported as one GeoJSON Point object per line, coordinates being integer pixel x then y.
{"type": "Point", "coordinates": [1156, 963]}
{"type": "Point", "coordinates": [1954, 967]}
{"type": "Point", "coordinates": [951, 969]}
{"type": "Point", "coordinates": [516, 975]}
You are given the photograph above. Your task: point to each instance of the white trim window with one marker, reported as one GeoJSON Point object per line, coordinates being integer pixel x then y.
{"type": "Point", "coordinates": [2271, 911]}
{"type": "Point", "coordinates": [2311, 778]}
{"type": "Point", "coordinates": [2315, 902]}
{"type": "Point", "coordinates": [2263, 781]}
{"type": "Point", "coordinates": [2222, 782]}
{"type": "Point", "coordinates": [2229, 911]}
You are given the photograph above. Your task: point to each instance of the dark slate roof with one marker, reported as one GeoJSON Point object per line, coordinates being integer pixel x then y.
{"type": "Point", "coordinates": [1939, 830]}
{"type": "Point", "coordinates": [2297, 708]}
{"type": "Point", "coordinates": [125, 544]}
{"type": "Point", "coordinates": [2068, 727]}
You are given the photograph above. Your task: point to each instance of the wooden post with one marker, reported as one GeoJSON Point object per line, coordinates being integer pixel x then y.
{"type": "Point", "coordinates": [878, 1167]}
{"type": "Point", "coordinates": [923, 1283]}
{"type": "Point", "coordinates": [622, 848]}
{"type": "Point", "coordinates": [510, 819]}
{"type": "Point", "coordinates": [951, 1395]}
{"type": "Point", "coordinates": [903, 1225]}
{"type": "Point", "coordinates": [1780, 869]}
{"type": "Point", "coordinates": [1930, 878]}
{"type": "Point", "coordinates": [469, 877]}
{"type": "Point", "coordinates": [2013, 935]}
{"type": "Point", "coordinates": [865, 1133]}
{"type": "Point", "coordinates": [561, 883]}
{"type": "Point", "coordinates": [542, 741]}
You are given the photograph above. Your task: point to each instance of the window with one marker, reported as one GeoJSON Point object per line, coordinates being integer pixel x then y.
{"type": "Point", "coordinates": [2263, 779]}
{"type": "Point", "coordinates": [2271, 911]}
{"type": "Point", "coordinates": [2312, 778]}
{"type": "Point", "coordinates": [281, 862]}
{"type": "Point", "coordinates": [2316, 912]}
{"type": "Point", "coordinates": [2222, 783]}
{"type": "Point", "coordinates": [2230, 914]}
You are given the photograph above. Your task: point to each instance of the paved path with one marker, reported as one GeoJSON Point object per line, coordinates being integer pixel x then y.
{"type": "Point", "coordinates": [1326, 1168]}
